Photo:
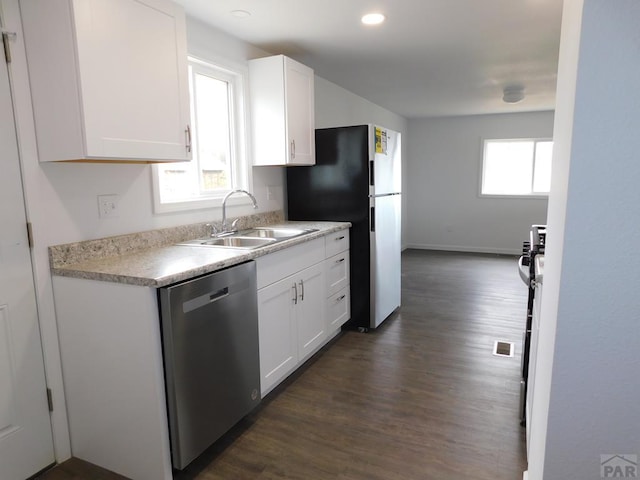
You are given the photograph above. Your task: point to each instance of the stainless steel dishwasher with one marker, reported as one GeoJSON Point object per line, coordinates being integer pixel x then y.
{"type": "Point", "coordinates": [211, 358]}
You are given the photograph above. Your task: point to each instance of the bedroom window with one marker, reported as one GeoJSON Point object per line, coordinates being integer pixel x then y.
{"type": "Point", "coordinates": [519, 167]}
{"type": "Point", "coordinates": [219, 162]}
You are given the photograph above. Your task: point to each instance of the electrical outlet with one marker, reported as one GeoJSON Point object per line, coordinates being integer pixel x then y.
{"type": "Point", "coordinates": [108, 206]}
{"type": "Point", "coordinates": [271, 193]}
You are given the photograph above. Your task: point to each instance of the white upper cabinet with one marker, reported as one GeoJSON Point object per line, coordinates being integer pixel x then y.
{"type": "Point", "coordinates": [282, 111]}
{"type": "Point", "coordinates": [108, 79]}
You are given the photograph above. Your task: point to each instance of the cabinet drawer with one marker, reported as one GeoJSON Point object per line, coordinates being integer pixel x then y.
{"type": "Point", "coordinates": [336, 242]}
{"type": "Point", "coordinates": [278, 265]}
{"type": "Point", "coordinates": [337, 272]}
{"type": "Point", "coordinates": [339, 308]}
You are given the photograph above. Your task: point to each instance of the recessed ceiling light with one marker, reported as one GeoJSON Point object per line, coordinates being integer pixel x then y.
{"type": "Point", "coordinates": [373, 19]}
{"type": "Point", "coordinates": [240, 13]}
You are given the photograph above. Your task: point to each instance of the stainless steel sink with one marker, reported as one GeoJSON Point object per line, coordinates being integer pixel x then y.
{"type": "Point", "coordinates": [230, 242]}
{"type": "Point", "coordinates": [250, 238]}
{"type": "Point", "coordinates": [275, 233]}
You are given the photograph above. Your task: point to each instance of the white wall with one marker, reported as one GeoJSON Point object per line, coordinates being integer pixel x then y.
{"type": "Point", "coordinates": [587, 389]}
{"type": "Point", "coordinates": [336, 107]}
{"type": "Point", "coordinates": [444, 209]}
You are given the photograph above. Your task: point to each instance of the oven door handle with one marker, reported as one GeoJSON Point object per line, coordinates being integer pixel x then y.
{"type": "Point", "coordinates": [523, 270]}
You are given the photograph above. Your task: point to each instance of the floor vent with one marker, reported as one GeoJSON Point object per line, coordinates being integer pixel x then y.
{"type": "Point", "coordinates": [503, 349]}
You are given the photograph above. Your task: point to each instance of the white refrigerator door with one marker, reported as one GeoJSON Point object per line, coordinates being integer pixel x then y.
{"type": "Point", "coordinates": [385, 257]}
{"type": "Point", "coordinates": [386, 146]}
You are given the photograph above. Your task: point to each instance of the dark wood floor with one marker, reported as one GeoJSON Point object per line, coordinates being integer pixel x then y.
{"type": "Point", "coordinates": [420, 398]}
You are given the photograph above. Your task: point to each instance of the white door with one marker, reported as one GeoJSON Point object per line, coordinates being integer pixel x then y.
{"type": "Point", "coordinates": [26, 444]}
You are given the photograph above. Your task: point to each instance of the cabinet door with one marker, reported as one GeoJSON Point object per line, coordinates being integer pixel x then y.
{"type": "Point", "coordinates": [277, 333]}
{"type": "Point", "coordinates": [108, 79]}
{"type": "Point", "coordinates": [132, 62]}
{"type": "Point", "coordinates": [299, 90]}
{"type": "Point", "coordinates": [282, 111]}
{"type": "Point", "coordinates": [310, 310]}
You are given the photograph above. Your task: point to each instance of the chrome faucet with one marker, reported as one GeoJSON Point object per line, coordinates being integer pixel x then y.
{"type": "Point", "coordinates": [224, 210]}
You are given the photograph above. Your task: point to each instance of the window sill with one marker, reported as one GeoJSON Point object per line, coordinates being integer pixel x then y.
{"type": "Point", "coordinates": [200, 204]}
{"type": "Point", "coordinates": [511, 197]}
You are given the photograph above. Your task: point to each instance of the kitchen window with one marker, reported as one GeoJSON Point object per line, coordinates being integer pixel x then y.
{"type": "Point", "coordinates": [519, 167]}
{"type": "Point", "coordinates": [218, 135]}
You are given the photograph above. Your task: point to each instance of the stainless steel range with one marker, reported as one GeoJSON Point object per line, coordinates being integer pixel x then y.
{"type": "Point", "coordinates": [526, 266]}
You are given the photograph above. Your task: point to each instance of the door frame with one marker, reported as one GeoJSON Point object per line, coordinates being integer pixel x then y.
{"type": "Point", "coordinates": [33, 181]}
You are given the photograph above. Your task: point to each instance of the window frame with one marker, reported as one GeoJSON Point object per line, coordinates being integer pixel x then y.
{"type": "Point", "coordinates": [241, 177]}
{"type": "Point", "coordinates": [532, 195]}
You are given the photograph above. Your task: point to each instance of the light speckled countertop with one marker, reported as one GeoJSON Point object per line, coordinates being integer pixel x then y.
{"type": "Point", "coordinates": [164, 265]}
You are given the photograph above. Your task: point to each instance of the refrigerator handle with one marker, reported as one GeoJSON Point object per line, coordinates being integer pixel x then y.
{"type": "Point", "coordinates": [372, 173]}
{"type": "Point", "coordinates": [372, 223]}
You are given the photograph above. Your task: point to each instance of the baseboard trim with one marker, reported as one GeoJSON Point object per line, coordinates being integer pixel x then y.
{"type": "Point", "coordinates": [464, 248]}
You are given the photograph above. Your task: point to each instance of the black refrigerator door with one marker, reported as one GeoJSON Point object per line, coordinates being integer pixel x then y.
{"type": "Point", "coordinates": [337, 189]}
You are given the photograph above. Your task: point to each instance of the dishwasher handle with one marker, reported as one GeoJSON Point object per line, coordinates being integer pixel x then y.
{"type": "Point", "coordinates": [203, 300]}
{"type": "Point", "coordinates": [223, 292]}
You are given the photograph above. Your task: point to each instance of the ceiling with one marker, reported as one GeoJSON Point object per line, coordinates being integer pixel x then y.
{"type": "Point", "coordinates": [430, 57]}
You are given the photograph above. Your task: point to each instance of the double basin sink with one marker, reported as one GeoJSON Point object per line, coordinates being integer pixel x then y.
{"type": "Point", "coordinates": [250, 238]}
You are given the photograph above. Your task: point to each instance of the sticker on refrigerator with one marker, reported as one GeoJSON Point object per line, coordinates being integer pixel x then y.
{"type": "Point", "coordinates": [381, 141]}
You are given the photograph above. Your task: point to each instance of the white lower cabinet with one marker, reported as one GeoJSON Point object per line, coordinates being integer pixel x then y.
{"type": "Point", "coordinates": [111, 352]}
{"type": "Point", "coordinates": [303, 300]}
{"type": "Point", "coordinates": [291, 323]}
{"type": "Point", "coordinates": [291, 310]}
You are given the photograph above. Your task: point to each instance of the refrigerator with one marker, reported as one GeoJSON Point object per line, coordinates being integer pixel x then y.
{"type": "Point", "coordinates": [357, 179]}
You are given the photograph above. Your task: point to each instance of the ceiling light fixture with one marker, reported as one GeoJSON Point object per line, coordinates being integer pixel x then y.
{"type": "Point", "coordinates": [240, 13]}
{"type": "Point", "coordinates": [373, 19]}
{"type": "Point", "coordinates": [513, 93]}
